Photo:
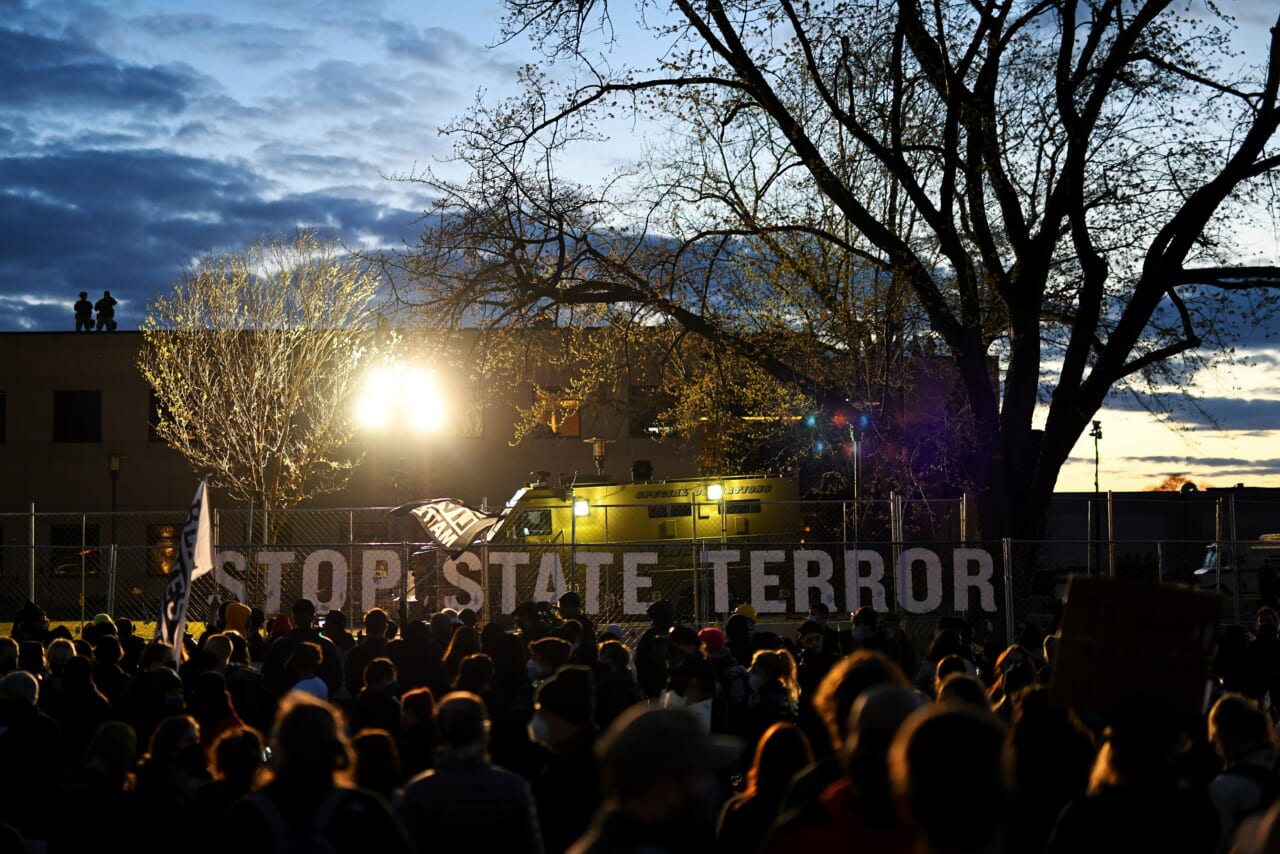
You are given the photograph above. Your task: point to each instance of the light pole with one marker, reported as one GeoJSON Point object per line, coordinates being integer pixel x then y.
{"type": "Point", "coordinates": [1096, 433]}
{"type": "Point", "coordinates": [113, 469]}
{"type": "Point", "coordinates": [581, 507]}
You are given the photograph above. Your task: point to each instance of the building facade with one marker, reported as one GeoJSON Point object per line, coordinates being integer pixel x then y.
{"type": "Point", "coordinates": [71, 403]}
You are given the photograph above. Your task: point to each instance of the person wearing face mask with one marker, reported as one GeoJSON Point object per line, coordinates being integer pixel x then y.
{"type": "Point", "coordinates": [820, 613]}
{"type": "Point", "coordinates": [546, 656]}
{"type": "Point", "coordinates": [567, 786]}
{"type": "Point", "coordinates": [663, 782]}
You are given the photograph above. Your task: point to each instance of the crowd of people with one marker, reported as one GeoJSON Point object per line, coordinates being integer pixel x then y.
{"type": "Point", "coordinates": [550, 735]}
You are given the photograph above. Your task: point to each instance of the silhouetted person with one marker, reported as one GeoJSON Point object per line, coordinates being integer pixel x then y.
{"type": "Point", "coordinates": [275, 671]}
{"type": "Point", "coordinates": [466, 802]}
{"type": "Point", "coordinates": [304, 805]}
{"type": "Point", "coordinates": [661, 784]}
{"type": "Point", "coordinates": [782, 752]}
{"type": "Point", "coordinates": [567, 789]}
{"type": "Point", "coordinates": [106, 308]}
{"type": "Point", "coordinates": [84, 313]}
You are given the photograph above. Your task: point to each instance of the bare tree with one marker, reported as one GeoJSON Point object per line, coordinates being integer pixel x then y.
{"type": "Point", "coordinates": [1050, 185]}
{"type": "Point", "coordinates": [254, 357]}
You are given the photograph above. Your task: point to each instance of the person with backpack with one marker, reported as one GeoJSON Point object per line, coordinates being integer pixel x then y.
{"type": "Point", "coordinates": [1250, 780]}
{"type": "Point", "coordinates": [307, 803]}
{"type": "Point", "coordinates": [733, 699]}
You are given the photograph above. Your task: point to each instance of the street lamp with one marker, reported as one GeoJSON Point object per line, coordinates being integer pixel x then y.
{"type": "Point", "coordinates": [715, 492]}
{"type": "Point", "coordinates": [581, 507]}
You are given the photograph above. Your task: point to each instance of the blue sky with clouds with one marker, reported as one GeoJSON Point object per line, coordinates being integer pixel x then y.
{"type": "Point", "coordinates": [137, 134]}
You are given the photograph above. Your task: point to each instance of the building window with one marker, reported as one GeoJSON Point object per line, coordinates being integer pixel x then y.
{"type": "Point", "coordinates": [162, 548]}
{"type": "Point", "coordinates": [3, 418]}
{"type": "Point", "coordinates": [644, 404]}
{"type": "Point", "coordinates": [557, 414]}
{"type": "Point", "coordinates": [70, 553]}
{"type": "Point", "coordinates": [77, 416]}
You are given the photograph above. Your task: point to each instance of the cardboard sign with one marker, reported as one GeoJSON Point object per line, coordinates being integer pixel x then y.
{"type": "Point", "coordinates": [1127, 639]}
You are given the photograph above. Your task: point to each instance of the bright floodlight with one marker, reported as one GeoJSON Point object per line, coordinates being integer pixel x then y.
{"type": "Point", "coordinates": [581, 507]}
{"type": "Point", "coordinates": [715, 492]}
{"type": "Point", "coordinates": [424, 413]}
{"type": "Point", "coordinates": [407, 397]}
{"type": "Point", "coordinates": [371, 412]}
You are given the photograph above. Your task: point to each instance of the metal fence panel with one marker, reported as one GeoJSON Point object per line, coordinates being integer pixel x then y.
{"type": "Point", "coordinates": [911, 559]}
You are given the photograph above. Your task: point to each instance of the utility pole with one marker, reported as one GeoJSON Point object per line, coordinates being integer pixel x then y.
{"type": "Point", "coordinates": [1096, 433]}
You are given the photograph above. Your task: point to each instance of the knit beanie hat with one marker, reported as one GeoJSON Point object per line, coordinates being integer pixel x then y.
{"type": "Point", "coordinates": [570, 695]}
{"type": "Point", "coordinates": [712, 638]}
{"type": "Point", "coordinates": [238, 618]}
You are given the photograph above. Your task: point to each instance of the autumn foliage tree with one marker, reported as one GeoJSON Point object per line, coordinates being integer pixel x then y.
{"type": "Point", "coordinates": [254, 358]}
{"type": "Point", "coordinates": [1047, 186]}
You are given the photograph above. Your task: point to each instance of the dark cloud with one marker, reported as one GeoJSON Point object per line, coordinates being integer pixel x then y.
{"type": "Point", "coordinates": [1223, 470]}
{"type": "Point", "coordinates": [129, 221]}
{"type": "Point", "coordinates": [1201, 413]}
{"type": "Point", "coordinates": [258, 43]}
{"type": "Point", "coordinates": [44, 73]}
{"type": "Point", "coordinates": [441, 48]}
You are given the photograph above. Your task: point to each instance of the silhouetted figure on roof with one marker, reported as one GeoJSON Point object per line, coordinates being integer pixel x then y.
{"type": "Point", "coordinates": [106, 308]}
{"type": "Point", "coordinates": [84, 313]}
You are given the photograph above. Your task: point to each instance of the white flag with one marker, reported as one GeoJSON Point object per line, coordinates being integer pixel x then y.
{"type": "Point", "coordinates": [449, 523]}
{"type": "Point", "coordinates": [195, 558]}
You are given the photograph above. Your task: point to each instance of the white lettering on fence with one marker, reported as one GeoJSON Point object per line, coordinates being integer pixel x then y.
{"type": "Point", "coordinates": [919, 578]}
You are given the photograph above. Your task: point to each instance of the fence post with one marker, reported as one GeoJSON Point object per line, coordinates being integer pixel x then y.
{"type": "Point", "coordinates": [111, 581]}
{"type": "Point", "coordinates": [1111, 534]}
{"type": "Point", "coordinates": [405, 562]}
{"type": "Point", "coordinates": [31, 580]}
{"type": "Point", "coordinates": [84, 560]}
{"type": "Point", "coordinates": [1009, 624]}
{"type": "Point", "coordinates": [1236, 567]}
{"type": "Point", "coordinates": [485, 583]}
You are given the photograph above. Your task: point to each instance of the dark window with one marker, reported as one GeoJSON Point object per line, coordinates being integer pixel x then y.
{"type": "Point", "coordinates": [3, 419]}
{"type": "Point", "coordinates": [752, 506]}
{"type": "Point", "coordinates": [77, 416]}
{"type": "Point", "coordinates": [534, 523]}
{"type": "Point", "coordinates": [162, 548]}
{"type": "Point", "coordinates": [644, 404]}
{"type": "Point", "coordinates": [69, 553]}
{"type": "Point", "coordinates": [665, 511]}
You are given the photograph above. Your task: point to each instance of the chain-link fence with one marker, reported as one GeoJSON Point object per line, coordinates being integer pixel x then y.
{"type": "Point", "coordinates": [908, 559]}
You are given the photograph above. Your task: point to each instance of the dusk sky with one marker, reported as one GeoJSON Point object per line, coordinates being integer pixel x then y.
{"type": "Point", "coordinates": [135, 135]}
